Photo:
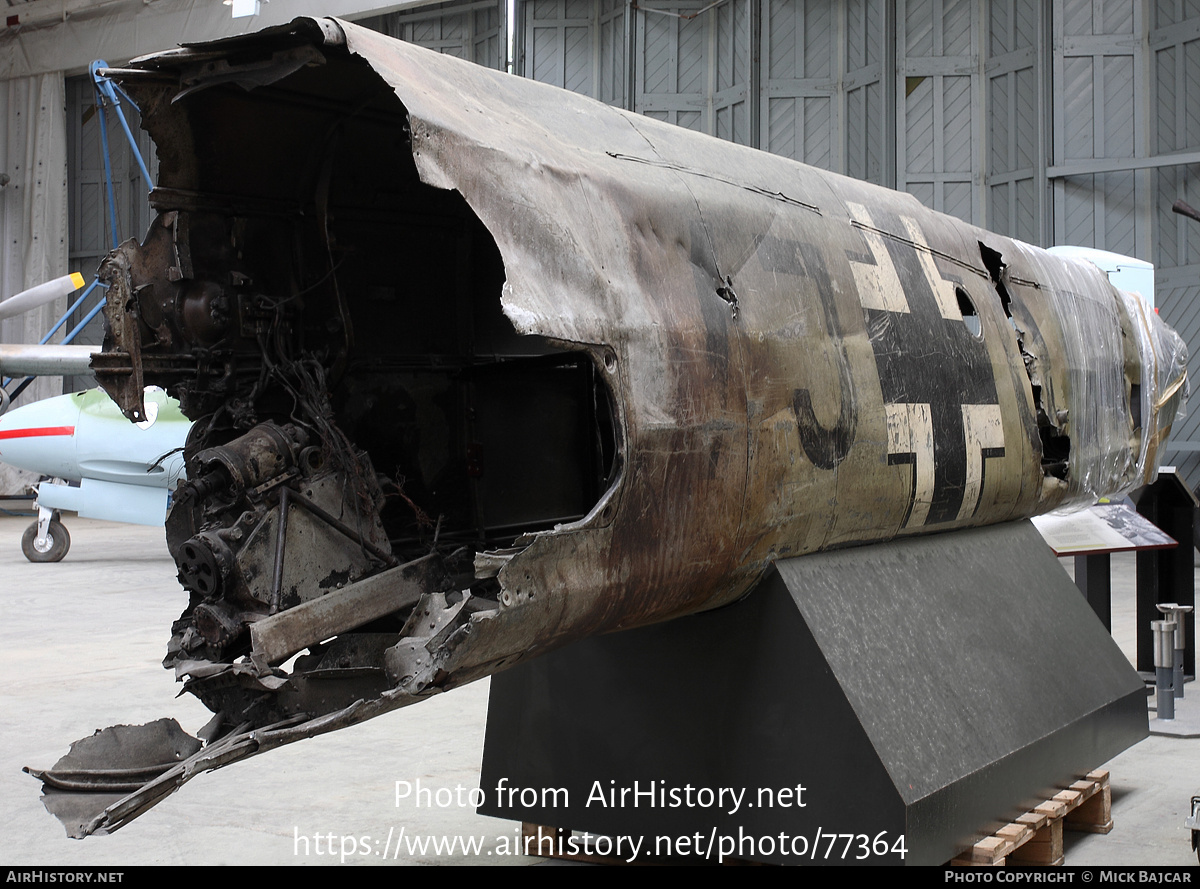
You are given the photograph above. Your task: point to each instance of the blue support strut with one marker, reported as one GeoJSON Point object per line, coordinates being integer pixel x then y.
{"type": "Point", "coordinates": [107, 95]}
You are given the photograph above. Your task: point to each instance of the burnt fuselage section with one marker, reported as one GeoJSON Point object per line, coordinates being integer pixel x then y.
{"type": "Point", "coordinates": [480, 367]}
{"type": "Point", "coordinates": [337, 326]}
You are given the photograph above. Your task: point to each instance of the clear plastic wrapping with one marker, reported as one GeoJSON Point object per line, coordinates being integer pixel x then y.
{"type": "Point", "coordinates": [1109, 376]}
{"type": "Point", "coordinates": [1164, 385]}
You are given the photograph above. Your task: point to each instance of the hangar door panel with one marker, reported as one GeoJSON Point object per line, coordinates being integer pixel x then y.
{"type": "Point", "coordinates": [799, 96]}
{"type": "Point", "coordinates": [475, 31]}
{"type": "Point", "coordinates": [939, 130]}
{"type": "Point", "coordinates": [687, 63]}
{"type": "Point", "coordinates": [695, 72]}
{"type": "Point", "coordinates": [580, 45]}
{"type": "Point", "coordinates": [866, 86]}
{"type": "Point", "coordinates": [757, 72]}
{"type": "Point", "coordinates": [823, 85]}
{"type": "Point", "coordinates": [1015, 163]}
{"type": "Point", "coordinates": [1099, 89]}
{"type": "Point", "coordinates": [1175, 69]}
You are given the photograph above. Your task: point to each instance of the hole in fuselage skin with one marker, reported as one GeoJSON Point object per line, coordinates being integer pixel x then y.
{"type": "Point", "coordinates": [496, 433]}
{"type": "Point", "coordinates": [1056, 445]}
{"type": "Point", "coordinates": [394, 288]}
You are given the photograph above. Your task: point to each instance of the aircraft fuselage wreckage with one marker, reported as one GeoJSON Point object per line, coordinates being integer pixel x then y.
{"type": "Point", "coordinates": [480, 367]}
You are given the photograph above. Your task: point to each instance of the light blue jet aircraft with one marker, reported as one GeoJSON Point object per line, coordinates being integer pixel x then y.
{"type": "Point", "coordinates": [112, 469]}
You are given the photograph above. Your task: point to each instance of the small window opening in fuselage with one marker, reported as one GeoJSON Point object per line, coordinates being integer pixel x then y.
{"type": "Point", "coordinates": [970, 317]}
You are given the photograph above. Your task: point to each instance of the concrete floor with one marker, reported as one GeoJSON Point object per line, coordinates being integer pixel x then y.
{"type": "Point", "coordinates": [81, 644]}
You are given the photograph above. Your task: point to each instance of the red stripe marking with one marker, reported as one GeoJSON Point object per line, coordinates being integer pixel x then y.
{"type": "Point", "coordinates": [37, 432]}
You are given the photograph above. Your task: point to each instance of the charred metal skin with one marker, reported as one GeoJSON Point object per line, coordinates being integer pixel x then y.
{"type": "Point", "coordinates": [481, 367]}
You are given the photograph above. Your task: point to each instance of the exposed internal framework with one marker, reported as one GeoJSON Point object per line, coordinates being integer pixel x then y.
{"type": "Point", "coordinates": [340, 333]}
{"type": "Point", "coordinates": [364, 402]}
{"type": "Point", "coordinates": [366, 410]}
{"type": "Point", "coordinates": [480, 367]}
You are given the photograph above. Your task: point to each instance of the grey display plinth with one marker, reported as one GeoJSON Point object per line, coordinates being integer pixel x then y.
{"type": "Point", "coordinates": [931, 687]}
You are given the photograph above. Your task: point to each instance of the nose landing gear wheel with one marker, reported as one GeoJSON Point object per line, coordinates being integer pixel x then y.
{"type": "Point", "coordinates": [58, 541]}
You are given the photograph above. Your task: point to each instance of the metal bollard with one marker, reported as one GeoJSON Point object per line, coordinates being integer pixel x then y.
{"type": "Point", "coordinates": [1175, 613]}
{"type": "Point", "coordinates": [1164, 670]}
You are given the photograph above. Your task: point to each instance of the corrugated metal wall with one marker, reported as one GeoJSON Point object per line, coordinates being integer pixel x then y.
{"type": "Point", "coordinates": [33, 207]}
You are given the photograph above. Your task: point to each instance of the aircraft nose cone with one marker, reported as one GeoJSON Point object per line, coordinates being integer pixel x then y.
{"type": "Point", "coordinates": [40, 437]}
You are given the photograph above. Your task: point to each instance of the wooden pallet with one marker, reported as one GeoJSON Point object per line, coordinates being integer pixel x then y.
{"type": "Point", "coordinates": [1037, 836]}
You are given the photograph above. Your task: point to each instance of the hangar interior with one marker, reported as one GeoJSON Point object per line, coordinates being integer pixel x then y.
{"type": "Point", "coordinates": [1074, 122]}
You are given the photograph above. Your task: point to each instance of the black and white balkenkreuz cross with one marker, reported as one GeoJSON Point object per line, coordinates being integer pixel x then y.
{"type": "Point", "coordinates": [938, 385]}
